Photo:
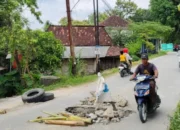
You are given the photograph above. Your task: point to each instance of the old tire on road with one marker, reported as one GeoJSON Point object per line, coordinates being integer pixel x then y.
{"type": "Point", "coordinates": [47, 97]}
{"type": "Point", "coordinates": [33, 95]}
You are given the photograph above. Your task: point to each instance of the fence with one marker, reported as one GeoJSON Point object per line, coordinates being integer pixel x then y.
{"type": "Point", "coordinates": [167, 47]}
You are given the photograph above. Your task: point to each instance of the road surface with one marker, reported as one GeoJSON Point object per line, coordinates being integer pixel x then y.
{"type": "Point", "coordinates": [169, 91]}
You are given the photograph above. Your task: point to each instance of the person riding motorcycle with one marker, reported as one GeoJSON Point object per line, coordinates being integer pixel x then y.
{"type": "Point", "coordinates": [123, 59]}
{"type": "Point", "coordinates": [147, 68]}
{"type": "Point", "coordinates": [129, 58]}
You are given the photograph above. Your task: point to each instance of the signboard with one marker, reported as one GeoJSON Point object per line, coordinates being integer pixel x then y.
{"type": "Point", "coordinates": [97, 50]}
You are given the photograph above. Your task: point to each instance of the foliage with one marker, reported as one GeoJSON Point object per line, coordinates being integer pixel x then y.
{"type": "Point", "coordinates": [102, 17]}
{"type": "Point", "coordinates": [135, 46]}
{"type": "Point", "coordinates": [125, 8]}
{"type": "Point", "coordinates": [40, 51]}
{"type": "Point", "coordinates": [151, 30]}
{"type": "Point", "coordinates": [135, 58]}
{"type": "Point", "coordinates": [175, 120]}
{"type": "Point", "coordinates": [166, 12]}
{"type": "Point", "coordinates": [142, 32]}
{"type": "Point", "coordinates": [10, 11]}
{"type": "Point", "coordinates": [142, 15]}
{"type": "Point", "coordinates": [46, 25]}
{"type": "Point", "coordinates": [63, 21]}
{"type": "Point", "coordinates": [48, 52]}
{"type": "Point", "coordinates": [9, 84]}
{"type": "Point", "coordinates": [119, 37]}
{"type": "Point", "coordinates": [80, 67]}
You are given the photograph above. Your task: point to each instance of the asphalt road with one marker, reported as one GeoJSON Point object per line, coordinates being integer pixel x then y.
{"type": "Point", "coordinates": [169, 91]}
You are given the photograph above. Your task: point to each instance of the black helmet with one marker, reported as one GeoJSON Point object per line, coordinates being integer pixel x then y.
{"type": "Point", "coordinates": [144, 56]}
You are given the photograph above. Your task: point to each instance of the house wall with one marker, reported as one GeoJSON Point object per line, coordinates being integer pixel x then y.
{"type": "Point", "coordinates": [90, 65]}
{"type": "Point", "coordinates": [109, 62]}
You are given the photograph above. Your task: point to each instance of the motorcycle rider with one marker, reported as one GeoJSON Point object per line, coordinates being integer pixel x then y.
{"type": "Point", "coordinates": [129, 59]}
{"type": "Point", "coordinates": [147, 68]}
{"type": "Point", "coordinates": [123, 59]}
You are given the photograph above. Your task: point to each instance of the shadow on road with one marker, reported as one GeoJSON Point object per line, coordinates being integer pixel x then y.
{"type": "Point", "coordinates": [154, 115]}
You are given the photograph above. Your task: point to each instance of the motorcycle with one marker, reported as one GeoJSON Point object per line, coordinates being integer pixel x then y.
{"type": "Point", "coordinates": [142, 96]}
{"type": "Point", "coordinates": [124, 70]}
{"type": "Point", "coordinates": [178, 54]}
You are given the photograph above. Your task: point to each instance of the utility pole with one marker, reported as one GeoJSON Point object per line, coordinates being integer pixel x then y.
{"type": "Point", "coordinates": [70, 38]}
{"type": "Point", "coordinates": [96, 24]}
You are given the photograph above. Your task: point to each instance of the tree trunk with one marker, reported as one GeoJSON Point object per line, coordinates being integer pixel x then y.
{"type": "Point", "coordinates": [19, 68]}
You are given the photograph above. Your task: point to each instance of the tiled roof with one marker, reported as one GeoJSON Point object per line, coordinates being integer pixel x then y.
{"type": "Point", "coordinates": [115, 21]}
{"type": "Point", "coordinates": [82, 35]}
{"type": "Point", "coordinates": [113, 51]}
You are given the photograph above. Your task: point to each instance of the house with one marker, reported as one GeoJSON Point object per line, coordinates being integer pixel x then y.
{"type": "Point", "coordinates": [115, 21]}
{"type": "Point", "coordinates": [85, 46]}
{"type": "Point", "coordinates": [114, 24]}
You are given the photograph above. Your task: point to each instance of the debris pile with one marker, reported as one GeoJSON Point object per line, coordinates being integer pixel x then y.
{"type": "Point", "coordinates": [87, 113]}
{"type": "Point", "coordinates": [105, 112]}
{"type": "Point", "coordinates": [63, 119]}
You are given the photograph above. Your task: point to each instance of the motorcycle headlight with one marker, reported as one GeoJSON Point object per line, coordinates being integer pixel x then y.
{"type": "Point", "coordinates": [147, 93]}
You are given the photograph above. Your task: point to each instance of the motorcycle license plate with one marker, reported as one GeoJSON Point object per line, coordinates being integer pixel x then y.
{"type": "Point", "coordinates": [121, 67]}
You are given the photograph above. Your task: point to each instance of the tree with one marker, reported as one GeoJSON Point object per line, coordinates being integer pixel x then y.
{"type": "Point", "coordinates": [40, 51]}
{"type": "Point", "coordinates": [63, 21]}
{"type": "Point", "coordinates": [46, 25]}
{"type": "Point", "coordinates": [151, 30]}
{"type": "Point", "coordinates": [119, 37]}
{"type": "Point", "coordinates": [102, 17]}
{"type": "Point", "coordinates": [166, 11]}
{"type": "Point", "coordinates": [142, 15]}
{"type": "Point", "coordinates": [48, 52]}
{"type": "Point", "coordinates": [10, 11]}
{"type": "Point", "coordinates": [125, 8]}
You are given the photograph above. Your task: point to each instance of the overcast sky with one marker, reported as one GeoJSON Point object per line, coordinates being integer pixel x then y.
{"type": "Point", "coordinates": [54, 10]}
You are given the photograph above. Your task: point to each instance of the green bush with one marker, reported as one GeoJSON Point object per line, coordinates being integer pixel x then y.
{"type": "Point", "coordinates": [175, 120]}
{"type": "Point", "coordinates": [135, 58]}
{"type": "Point", "coordinates": [10, 84]}
{"type": "Point", "coordinates": [48, 52]}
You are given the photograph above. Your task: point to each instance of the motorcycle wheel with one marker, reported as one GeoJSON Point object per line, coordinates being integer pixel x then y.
{"type": "Point", "coordinates": [143, 113]}
{"type": "Point", "coordinates": [122, 73]}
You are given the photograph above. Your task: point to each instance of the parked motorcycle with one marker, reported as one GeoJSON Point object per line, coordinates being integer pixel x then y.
{"type": "Point", "coordinates": [178, 54]}
{"type": "Point", "coordinates": [142, 96]}
{"type": "Point", "coordinates": [124, 70]}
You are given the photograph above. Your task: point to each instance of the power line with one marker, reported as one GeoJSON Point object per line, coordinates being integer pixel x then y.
{"type": "Point", "coordinates": [107, 4]}
{"type": "Point", "coordinates": [75, 4]}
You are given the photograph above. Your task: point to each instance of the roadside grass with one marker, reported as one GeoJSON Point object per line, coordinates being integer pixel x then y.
{"type": "Point", "coordinates": [78, 80]}
{"type": "Point", "coordinates": [66, 81]}
{"type": "Point", "coordinates": [175, 120]}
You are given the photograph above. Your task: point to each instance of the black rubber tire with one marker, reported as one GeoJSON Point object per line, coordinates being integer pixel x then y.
{"type": "Point", "coordinates": [47, 97]}
{"type": "Point", "coordinates": [33, 95]}
{"type": "Point", "coordinates": [122, 73]}
{"type": "Point", "coordinates": [141, 113]}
